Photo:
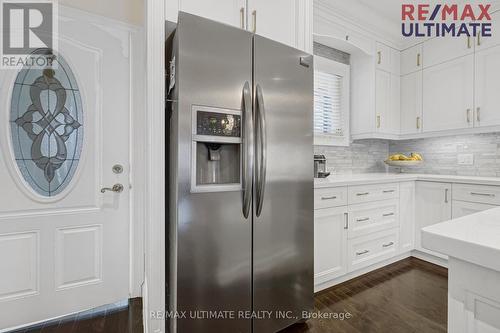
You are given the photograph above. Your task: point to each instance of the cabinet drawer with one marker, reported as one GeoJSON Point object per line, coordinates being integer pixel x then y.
{"type": "Point", "coordinates": [372, 217]}
{"type": "Point", "coordinates": [330, 197]}
{"type": "Point", "coordinates": [367, 193]}
{"type": "Point", "coordinates": [477, 193]}
{"type": "Point", "coordinates": [370, 249]}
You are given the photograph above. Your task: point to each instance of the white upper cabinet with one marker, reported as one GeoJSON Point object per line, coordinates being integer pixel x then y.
{"type": "Point", "coordinates": [411, 60]}
{"type": "Point", "coordinates": [275, 19]}
{"type": "Point", "coordinates": [383, 57]}
{"type": "Point", "coordinates": [230, 12]}
{"type": "Point", "coordinates": [411, 103]}
{"type": "Point", "coordinates": [487, 87]}
{"type": "Point", "coordinates": [486, 42]}
{"type": "Point", "coordinates": [285, 21]}
{"type": "Point", "coordinates": [387, 102]}
{"type": "Point", "coordinates": [448, 91]}
{"type": "Point", "coordinates": [439, 50]}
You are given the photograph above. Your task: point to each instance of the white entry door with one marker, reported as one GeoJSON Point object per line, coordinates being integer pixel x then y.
{"type": "Point", "coordinates": [64, 245]}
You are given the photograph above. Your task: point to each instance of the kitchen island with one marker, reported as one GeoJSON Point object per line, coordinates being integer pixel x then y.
{"type": "Point", "coordinates": [472, 244]}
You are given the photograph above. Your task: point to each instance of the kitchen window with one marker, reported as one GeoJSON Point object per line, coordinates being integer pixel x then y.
{"type": "Point", "coordinates": [331, 102]}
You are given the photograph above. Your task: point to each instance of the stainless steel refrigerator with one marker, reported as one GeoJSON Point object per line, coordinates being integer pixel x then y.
{"type": "Point", "coordinates": [240, 180]}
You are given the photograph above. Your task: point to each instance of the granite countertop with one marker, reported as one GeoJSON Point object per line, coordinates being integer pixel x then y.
{"type": "Point", "coordinates": [377, 178]}
{"type": "Point", "coordinates": [474, 238]}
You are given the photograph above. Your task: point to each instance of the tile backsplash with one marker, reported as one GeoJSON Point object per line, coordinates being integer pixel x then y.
{"type": "Point", "coordinates": [442, 155]}
{"type": "Point", "coordinates": [360, 157]}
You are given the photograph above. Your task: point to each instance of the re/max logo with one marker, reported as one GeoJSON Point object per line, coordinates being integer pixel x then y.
{"type": "Point", "coordinates": [422, 20]}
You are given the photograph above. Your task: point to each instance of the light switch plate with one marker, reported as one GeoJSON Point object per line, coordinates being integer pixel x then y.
{"type": "Point", "coordinates": [465, 159]}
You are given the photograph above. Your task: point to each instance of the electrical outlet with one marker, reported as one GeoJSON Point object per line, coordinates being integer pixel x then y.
{"type": "Point", "coordinates": [465, 159]}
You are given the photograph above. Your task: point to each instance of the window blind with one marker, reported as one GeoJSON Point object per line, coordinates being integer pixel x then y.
{"type": "Point", "coordinates": [328, 104]}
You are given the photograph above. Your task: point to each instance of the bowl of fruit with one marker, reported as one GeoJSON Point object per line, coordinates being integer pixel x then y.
{"type": "Point", "coordinates": [401, 160]}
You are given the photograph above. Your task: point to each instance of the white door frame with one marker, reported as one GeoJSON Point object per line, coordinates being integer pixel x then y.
{"type": "Point", "coordinates": [154, 283]}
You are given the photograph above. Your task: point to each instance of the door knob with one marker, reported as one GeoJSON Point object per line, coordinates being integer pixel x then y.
{"type": "Point", "coordinates": [117, 188]}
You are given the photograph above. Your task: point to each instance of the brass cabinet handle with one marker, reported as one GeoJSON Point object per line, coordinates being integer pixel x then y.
{"type": "Point", "coordinates": [242, 17]}
{"type": "Point", "coordinates": [418, 122]}
{"type": "Point", "coordinates": [388, 244]}
{"type": "Point", "coordinates": [362, 252]}
{"type": "Point", "coordinates": [478, 40]}
{"type": "Point", "coordinates": [254, 20]}
{"type": "Point", "coordinates": [379, 53]}
{"type": "Point", "coordinates": [418, 60]}
{"type": "Point", "coordinates": [468, 42]}
{"type": "Point", "coordinates": [117, 188]}
{"type": "Point", "coordinates": [378, 121]}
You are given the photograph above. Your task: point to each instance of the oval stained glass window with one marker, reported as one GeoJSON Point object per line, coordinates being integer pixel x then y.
{"type": "Point", "coordinates": [46, 121]}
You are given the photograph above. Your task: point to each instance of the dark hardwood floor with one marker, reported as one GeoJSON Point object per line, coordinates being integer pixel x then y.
{"type": "Point", "coordinates": [128, 320]}
{"type": "Point", "coordinates": [407, 296]}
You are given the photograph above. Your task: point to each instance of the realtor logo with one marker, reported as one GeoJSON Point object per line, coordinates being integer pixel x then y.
{"type": "Point", "coordinates": [27, 27]}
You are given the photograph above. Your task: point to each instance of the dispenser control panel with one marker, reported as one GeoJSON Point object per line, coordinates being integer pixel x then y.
{"type": "Point", "coordinates": [218, 124]}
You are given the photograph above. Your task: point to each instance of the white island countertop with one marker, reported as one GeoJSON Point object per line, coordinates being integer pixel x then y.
{"type": "Point", "coordinates": [474, 238]}
{"type": "Point", "coordinates": [378, 178]}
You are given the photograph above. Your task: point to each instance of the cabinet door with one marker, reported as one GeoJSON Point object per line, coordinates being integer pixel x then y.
{"type": "Point", "coordinates": [384, 56]}
{"type": "Point", "coordinates": [464, 208]}
{"type": "Point", "coordinates": [433, 205]}
{"type": "Point", "coordinates": [411, 59]}
{"type": "Point", "coordinates": [275, 20]}
{"type": "Point", "coordinates": [387, 97]}
{"type": "Point", "coordinates": [486, 42]}
{"type": "Point", "coordinates": [406, 216]}
{"type": "Point", "coordinates": [330, 244]}
{"type": "Point", "coordinates": [411, 103]}
{"type": "Point", "coordinates": [443, 49]}
{"type": "Point", "coordinates": [487, 87]}
{"type": "Point", "coordinates": [449, 95]}
{"type": "Point", "coordinates": [230, 12]}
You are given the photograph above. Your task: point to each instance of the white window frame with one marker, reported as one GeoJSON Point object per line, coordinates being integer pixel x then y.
{"type": "Point", "coordinates": [332, 67]}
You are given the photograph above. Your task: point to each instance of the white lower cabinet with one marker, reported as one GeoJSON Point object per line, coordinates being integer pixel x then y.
{"type": "Point", "coordinates": [330, 243]}
{"type": "Point", "coordinates": [407, 219]}
{"type": "Point", "coordinates": [433, 205]}
{"type": "Point", "coordinates": [464, 208]}
{"type": "Point", "coordinates": [370, 249]}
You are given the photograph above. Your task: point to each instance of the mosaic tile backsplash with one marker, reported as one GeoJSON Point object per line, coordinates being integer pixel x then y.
{"type": "Point", "coordinates": [360, 157]}
{"type": "Point", "coordinates": [441, 155]}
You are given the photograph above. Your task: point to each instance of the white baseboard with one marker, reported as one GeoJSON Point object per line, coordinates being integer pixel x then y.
{"type": "Point", "coordinates": [414, 253]}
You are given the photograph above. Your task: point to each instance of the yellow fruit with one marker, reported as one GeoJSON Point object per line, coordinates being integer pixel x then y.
{"type": "Point", "coordinates": [416, 156]}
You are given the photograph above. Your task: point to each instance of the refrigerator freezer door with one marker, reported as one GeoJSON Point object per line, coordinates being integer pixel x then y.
{"type": "Point", "coordinates": [283, 232]}
{"type": "Point", "coordinates": [211, 266]}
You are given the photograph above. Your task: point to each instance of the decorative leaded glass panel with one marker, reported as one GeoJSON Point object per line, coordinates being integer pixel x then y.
{"type": "Point", "coordinates": [46, 121]}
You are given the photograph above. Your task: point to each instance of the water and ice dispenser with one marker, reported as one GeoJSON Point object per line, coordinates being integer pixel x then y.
{"type": "Point", "coordinates": [216, 150]}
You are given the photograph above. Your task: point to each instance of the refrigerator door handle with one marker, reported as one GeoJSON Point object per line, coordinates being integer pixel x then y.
{"type": "Point", "coordinates": [247, 149]}
{"type": "Point", "coordinates": [261, 149]}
